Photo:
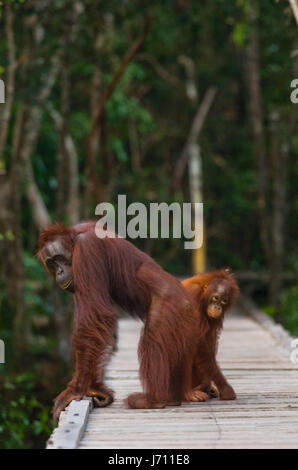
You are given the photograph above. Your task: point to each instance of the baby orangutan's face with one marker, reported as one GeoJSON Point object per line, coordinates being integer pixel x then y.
{"type": "Point", "coordinates": [218, 299]}
{"type": "Point", "coordinates": [57, 260]}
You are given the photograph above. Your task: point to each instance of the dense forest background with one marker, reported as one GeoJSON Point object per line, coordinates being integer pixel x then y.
{"type": "Point", "coordinates": [106, 98]}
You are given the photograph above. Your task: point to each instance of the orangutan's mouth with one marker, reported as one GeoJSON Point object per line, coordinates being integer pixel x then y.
{"type": "Point", "coordinates": [67, 285]}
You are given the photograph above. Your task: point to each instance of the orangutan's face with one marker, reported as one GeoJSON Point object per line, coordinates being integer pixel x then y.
{"type": "Point", "coordinates": [218, 301]}
{"type": "Point", "coordinates": [58, 261]}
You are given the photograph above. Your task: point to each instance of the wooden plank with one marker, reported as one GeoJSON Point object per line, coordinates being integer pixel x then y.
{"type": "Point", "coordinates": [72, 425]}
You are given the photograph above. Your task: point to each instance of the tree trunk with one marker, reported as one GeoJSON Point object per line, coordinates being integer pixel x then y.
{"type": "Point", "coordinates": [278, 163]}
{"type": "Point", "coordinates": [196, 195]}
{"type": "Point", "coordinates": [255, 107]}
{"type": "Point", "coordinates": [191, 154]}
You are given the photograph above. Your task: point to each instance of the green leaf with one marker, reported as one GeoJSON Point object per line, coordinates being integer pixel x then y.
{"type": "Point", "coordinates": [239, 34]}
{"type": "Point", "coordinates": [9, 235]}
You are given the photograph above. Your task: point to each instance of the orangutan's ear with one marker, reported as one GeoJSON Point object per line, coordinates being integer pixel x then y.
{"type": "Point", "coordinates": [227, 270]}
{"type": "Point", "coordinates": [204, 287]}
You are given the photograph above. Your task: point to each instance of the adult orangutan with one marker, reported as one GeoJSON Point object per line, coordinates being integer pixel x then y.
{"type": "Point", "coordinates": [102, 273]}
{"type": "Point", "coordinates": [214, 292]}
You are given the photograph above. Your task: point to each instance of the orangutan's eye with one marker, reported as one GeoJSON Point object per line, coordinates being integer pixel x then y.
{"type": "Point", "coordinates": [215, 298]}
{"type": "Point", "coordinates": [224, 301]}
{"type": "Point", "coordinates": [61, 260]}
{"type": "Point", "coordinates": [51, 265]}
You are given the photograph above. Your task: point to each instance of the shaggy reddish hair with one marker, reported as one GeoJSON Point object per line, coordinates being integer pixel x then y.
{"type": "Point", "coordinates": [109, 271]}
{"type": "Point", "coordinates": [202, 287]}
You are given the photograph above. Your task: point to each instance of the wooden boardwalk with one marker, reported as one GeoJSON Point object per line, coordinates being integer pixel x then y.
{"type": "Point", "coordinates": [265, 414]}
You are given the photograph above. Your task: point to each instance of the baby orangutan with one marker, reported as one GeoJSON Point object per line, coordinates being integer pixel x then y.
{"type": "Point", "coordinates": [215, 293]}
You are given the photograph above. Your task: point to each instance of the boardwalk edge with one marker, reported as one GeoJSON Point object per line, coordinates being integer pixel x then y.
{"type": "Point", "coordinates": [282, 336]}
{"type": "Point", "coordinates": [71, 426]}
